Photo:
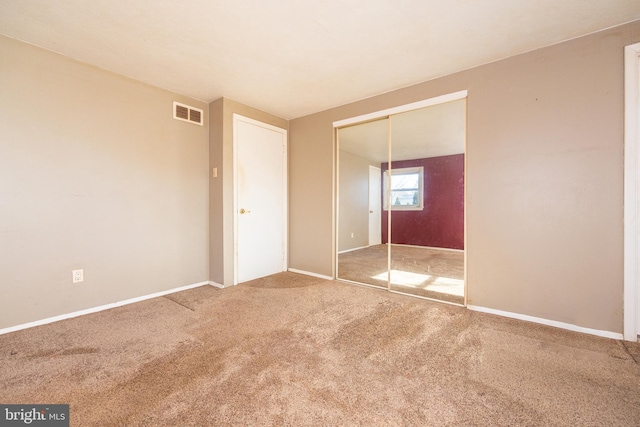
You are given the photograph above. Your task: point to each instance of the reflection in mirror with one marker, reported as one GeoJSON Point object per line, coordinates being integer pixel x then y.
{"type": "Point", "coordinates": [427, 202]}
{"type": "Point", "coordinates": [362, 258]}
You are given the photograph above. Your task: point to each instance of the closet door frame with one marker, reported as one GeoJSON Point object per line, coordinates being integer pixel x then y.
{"type": "Point", "coordinates": [380, 115]}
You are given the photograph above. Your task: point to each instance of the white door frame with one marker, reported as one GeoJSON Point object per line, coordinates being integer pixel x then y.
{"type": "Point", "coordinates": [631, 326]}
{"type": "Point", "coordinates": [285, 229]}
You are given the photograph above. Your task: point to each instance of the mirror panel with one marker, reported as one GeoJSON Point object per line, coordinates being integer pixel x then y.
{"type": "Point", "coordinates": [427, 202]}
{"type": "Point", "coordinates": [362, 258]}
{"type": "Point", "coordinates": [401, 222]}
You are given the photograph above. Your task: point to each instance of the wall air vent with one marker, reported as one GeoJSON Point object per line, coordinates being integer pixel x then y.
{"type": "Point", "coordinates": [187, 114]}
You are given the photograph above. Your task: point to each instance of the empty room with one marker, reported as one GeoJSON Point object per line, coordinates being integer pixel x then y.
{"type": "Point", "coordinates": [319, 213]}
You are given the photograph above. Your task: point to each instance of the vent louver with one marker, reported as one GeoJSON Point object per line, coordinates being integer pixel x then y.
{"type": "Point", "coordinates": [187, 114]}
{"type": "Point", "coordinates": [195, 116]}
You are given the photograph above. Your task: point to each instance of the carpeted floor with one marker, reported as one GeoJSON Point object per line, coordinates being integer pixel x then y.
{"type": "Point", "coordinates": [426, 272]}
{"type": "Point", "coordinates": [301, 351]}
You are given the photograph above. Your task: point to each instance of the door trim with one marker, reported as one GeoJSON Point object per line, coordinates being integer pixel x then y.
{"type": "Point", "coordinates": [402, 109]}
{"type": "Point", "coordinates": [285, 179]}
{"type": "Point", "coordinates": [631, 189]}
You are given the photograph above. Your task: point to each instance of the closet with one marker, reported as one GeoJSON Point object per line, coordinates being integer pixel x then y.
{"type": "Point", "coordinates": [400, 194]}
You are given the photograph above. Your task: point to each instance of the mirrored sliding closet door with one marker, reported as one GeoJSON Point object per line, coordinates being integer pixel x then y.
{"type": "Point", "coordinates": [362, 149]}
{"type": "Point", "coordinates": [409, 167]}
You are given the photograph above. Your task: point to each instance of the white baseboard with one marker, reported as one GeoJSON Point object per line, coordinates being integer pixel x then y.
{"type": "Point", "coordinates": [539, 320]}
{"type": "Point", "coordinates": [100, 308]}
{"type": "Point", "coordinates": [354, 249]}
{"type": "Point", "coordinates": [308, 273]}
{"type": "Point", "coordinates": [429, 247]}
{"type": "Point", "coordinates": [554, 323]}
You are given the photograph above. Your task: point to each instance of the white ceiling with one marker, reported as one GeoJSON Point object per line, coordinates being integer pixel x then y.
{"type": "Point", "coordinates": [433, 131]}
{"type": "Point", "coordinates": [296, 57]}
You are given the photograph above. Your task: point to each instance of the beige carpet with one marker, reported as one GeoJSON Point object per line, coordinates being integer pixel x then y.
{"type": "Point", "coordinates": [426, 272]}
{"type": "Point", "coordinates": [300, 351]}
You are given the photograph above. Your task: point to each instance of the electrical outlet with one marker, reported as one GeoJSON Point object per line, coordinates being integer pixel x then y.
{"type": "Point", "coordinates": [352, 235]}
{"type": "Point", "coordinates": [78, 276]}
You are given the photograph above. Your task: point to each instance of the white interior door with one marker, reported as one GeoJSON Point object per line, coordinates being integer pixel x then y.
{"type": "Point", "coordinates": [260, 203]}
{"type": "Point", "coordinates": [375, 214]}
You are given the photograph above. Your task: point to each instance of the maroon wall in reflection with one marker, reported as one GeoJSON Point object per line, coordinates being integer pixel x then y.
{"type": "Point", "coordinates": [441, 223]}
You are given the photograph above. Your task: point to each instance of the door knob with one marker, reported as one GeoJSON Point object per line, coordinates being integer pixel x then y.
{"type": "Point", "coordinates": [244, 211]}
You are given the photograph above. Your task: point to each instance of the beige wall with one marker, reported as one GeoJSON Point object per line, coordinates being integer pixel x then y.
{"type": "Point", "coordinates": [353, 202]}
{"type": "Point", "coordinates": [544, 179]}
{"type": "Point", "coordinates": [95, 175]}
{"type": "Point", "coordinates": [221, 233]}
